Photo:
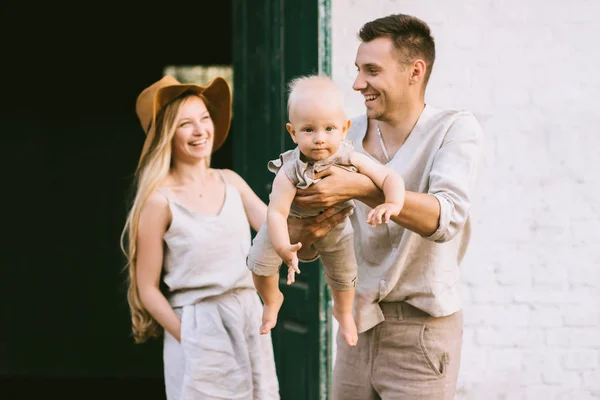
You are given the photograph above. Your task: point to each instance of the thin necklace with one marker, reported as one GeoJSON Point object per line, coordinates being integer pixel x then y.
{"type": "Point", "coordinates": [385, 153]}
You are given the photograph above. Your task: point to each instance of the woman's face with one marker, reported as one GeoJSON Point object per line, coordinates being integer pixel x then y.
{"type": "Point", "coordinates": [194, 132]}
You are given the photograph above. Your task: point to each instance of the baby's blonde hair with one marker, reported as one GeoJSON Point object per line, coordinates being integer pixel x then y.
{"type": "Point", "coordinates": [314, 85]}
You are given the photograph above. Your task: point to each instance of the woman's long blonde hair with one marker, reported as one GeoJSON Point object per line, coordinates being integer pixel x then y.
{"type": "Point", "coordinates": [153, 166]}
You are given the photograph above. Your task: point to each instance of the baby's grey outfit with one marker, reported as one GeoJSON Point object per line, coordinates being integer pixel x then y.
{"type": "Point", "coordinates": [337, 247]}
{"type": "Point", "coordinates": [221, 354]}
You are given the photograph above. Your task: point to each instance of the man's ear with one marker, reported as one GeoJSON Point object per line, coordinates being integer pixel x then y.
{"type": "Point", "coordinates": [292, 131]}
{"type": "Point", "coordinates": [418, 71]}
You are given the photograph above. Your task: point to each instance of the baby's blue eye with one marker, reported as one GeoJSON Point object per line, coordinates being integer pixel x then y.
{"type": "Point", "coordinates": [329, 129]}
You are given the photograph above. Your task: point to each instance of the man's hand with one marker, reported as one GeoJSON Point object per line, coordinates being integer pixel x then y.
{"type": "Point", "coordinates": [308, 230]}
{"type": "Point", "coordinates": [382, 213]}
{"type": "Point", "coordinates": [336, 186]}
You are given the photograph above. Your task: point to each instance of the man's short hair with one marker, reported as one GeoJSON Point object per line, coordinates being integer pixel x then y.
{"type": "Point", "coordinates": [410, 35]}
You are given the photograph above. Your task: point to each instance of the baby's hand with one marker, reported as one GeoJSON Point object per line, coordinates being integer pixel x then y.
{"type": "Point", "coordinates": [291, 276]}
{"type": "Point", "coordinates": [289, 254]}
{"type": "Point", "coordinates": [383, 213]}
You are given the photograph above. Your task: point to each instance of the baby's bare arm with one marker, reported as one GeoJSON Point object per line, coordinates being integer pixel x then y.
{"type": "Point", "coordinates": [384, 177]}
{"type": "Point", "coordinates": [282, 195]}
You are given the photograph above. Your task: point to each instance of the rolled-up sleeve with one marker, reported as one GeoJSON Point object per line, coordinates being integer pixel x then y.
{"type": "Point", "coordinates": [453, 175]}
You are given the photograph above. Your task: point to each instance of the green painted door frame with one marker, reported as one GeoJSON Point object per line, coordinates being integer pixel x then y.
{"type": "Point", "coordinates": [273, 42]}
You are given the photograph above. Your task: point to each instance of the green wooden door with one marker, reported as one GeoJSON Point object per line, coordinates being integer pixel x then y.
{"type": "Point", "coordinates": [273, 42]}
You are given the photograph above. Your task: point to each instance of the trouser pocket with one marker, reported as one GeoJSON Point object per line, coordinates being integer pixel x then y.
{"type": "Point", "coordinates": [433, 352]}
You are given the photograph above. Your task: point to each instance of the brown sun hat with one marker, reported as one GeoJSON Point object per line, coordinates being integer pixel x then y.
{"type": "Point", "coordinates": [159, 94]}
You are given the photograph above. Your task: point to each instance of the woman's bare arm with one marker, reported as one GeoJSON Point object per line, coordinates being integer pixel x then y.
{"type": "Point", "coordinates": [154, 220]}
{"type": "Point", "coordinates": [256, 209]}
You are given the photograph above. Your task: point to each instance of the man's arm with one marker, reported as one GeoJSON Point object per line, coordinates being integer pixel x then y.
{"type": "Point", "coordinates": [309, 230]}
{"type": "Point", "coordinates": [437, 215]}
{"type": "Point", "coordinates": [453, 174]}
{"type": "Point", "coordinates": [419, 214]}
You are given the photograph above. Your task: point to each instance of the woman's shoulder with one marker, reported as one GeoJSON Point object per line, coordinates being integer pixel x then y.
{"type": "Point", "coordinates": [229, 175]}
{"type": "Point", "coordinates": [237, 183]}
{"type": "Point", "coordinates": [233, 178]}
{"type": "Point", "coordinates": [156, 210]}
{"type": "Point", "coordinates": [158, 199]}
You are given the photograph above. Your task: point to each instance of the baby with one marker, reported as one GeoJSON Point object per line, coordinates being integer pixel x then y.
{"type": "Point", "coordinates": [318, 125]}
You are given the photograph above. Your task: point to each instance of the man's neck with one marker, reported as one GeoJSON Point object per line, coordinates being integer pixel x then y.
{"type": "Point", "coordinates": [398, 128]}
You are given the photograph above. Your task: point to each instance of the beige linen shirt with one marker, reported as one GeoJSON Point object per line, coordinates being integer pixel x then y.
{"type": "Point", "coordinates": [439, 157]}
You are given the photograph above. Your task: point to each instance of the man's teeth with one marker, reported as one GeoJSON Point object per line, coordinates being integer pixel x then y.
{"type": "Point", "coordinates": [197, 142]}
{"type": "Point", "coordinates": [371, 97]}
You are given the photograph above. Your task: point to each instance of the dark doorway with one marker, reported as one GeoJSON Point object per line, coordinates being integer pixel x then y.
{"type": "Point", "coordinates": [69, 145]}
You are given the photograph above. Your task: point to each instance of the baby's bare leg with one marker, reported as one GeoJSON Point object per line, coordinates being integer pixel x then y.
{"type": "Point", "coordinates": [342, 311]}
{"type": "Point", "coordinates": [268, 289]}
{"type": "Point", "coordinates": [339, 261]}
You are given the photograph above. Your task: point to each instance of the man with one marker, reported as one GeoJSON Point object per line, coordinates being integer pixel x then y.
{"type": "Point", "coordinates": [407, 305]}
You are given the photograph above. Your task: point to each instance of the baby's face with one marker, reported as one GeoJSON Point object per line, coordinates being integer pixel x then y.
{"type": "Point", "coordinates": [317, 125]}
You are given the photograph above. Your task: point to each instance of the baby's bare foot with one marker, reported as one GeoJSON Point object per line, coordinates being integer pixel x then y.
{"type": "Point", "coordinates": [269, 317]}
{"type": "Point", "coordinates": [347, 327]}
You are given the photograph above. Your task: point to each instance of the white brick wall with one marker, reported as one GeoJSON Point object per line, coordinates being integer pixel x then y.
{"type": "Point", "coordinates": [529, 70]}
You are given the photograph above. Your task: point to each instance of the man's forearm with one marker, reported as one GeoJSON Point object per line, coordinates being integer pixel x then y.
{"type": "Point", "coordinates": [307, 252]}
{"type": "Point", "coordinates": [420, 214]}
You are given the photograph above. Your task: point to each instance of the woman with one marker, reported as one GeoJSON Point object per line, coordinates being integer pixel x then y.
{"type": "Point", "coordinates": [189, 226]}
